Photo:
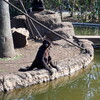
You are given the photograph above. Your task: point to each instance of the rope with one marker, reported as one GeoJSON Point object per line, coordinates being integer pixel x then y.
{"type": "Point", "coordinates": [21, 2]}
{"type": "Point", "coordinates": [29, 24]}
{"type": "Point", "coordinates": [43, 25]}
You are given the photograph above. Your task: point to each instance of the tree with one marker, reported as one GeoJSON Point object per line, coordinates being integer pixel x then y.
{"type": "Point", "coordinates": [6, 41]}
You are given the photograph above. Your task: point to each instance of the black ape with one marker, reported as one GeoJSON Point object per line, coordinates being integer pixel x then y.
{"type": "Point", "coordinates": [37, 5]}
{"type": "Point", "coordinates": [43, 58]}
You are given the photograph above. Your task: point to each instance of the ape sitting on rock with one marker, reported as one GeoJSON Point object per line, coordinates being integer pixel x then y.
{"type": "Point", "coordinates": [37, 5]}
{"type": "Point", "coordinates": [43, 59]}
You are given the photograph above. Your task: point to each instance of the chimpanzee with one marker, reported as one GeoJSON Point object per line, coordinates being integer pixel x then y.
{"type": "Point", "coordinates": [37, 5]}
{"type": "Point", "coordinates": [43, 58]}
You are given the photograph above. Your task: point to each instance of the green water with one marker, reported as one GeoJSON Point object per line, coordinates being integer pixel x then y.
{"type": "Point", "coordinates": [87, 31]}
{"type": "Point", "coordinates": [83, 85]}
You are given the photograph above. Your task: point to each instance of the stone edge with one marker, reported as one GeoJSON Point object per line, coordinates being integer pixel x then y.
{"type": "Point", "coordinates": [24, 79]}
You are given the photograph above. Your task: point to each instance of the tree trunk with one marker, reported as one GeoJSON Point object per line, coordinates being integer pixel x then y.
{"type": "Point", "coordinates": [6, 41]}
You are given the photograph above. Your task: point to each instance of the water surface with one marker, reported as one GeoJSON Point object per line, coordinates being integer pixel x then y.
{"type": "Point", "coordinates": [87, 30]}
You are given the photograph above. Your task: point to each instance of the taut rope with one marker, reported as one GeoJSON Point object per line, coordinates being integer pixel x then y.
{"type": "Point", "coordinates": [21, 2]}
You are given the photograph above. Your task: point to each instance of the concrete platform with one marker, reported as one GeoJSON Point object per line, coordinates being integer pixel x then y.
{"type": "Point", "coordinates": [94, 39]}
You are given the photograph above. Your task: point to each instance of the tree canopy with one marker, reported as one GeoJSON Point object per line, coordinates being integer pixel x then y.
{"type": "Point", "coordinates": [86, 8]}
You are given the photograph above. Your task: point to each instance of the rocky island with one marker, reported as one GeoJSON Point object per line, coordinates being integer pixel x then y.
{"type": "Point", "coordinates": [68, 57]}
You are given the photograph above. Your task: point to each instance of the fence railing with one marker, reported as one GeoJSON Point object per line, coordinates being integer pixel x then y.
{"type": "Point", "coordinates": [86, 24]}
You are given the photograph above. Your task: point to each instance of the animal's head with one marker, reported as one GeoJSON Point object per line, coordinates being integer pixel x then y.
{"type": "Point", "coordinates": [47, 43]}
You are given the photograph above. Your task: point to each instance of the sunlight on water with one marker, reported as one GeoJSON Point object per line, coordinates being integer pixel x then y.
{"type": "Point", "coordinates": [83, 85]}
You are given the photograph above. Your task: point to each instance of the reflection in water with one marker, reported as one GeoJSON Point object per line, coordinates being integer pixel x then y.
{"type": "Point", "coordinates": [87, 30]}
{"type": "Point", "coordinates": [83, 85]}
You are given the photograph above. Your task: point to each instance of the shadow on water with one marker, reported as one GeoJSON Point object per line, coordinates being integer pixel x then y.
{"type": "Point", "coordinates": [82, 85]}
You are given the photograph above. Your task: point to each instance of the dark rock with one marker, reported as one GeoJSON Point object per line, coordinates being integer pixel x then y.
{"type": "Point", "coordinates": [20, 36]}
{"type": "Point", "coordinates": [19, 22]}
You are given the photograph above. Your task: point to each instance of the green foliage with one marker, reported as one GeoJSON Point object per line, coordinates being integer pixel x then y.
{"type": "Point", "coordinates": [13, 11]}
{"type": "Point", "coordinates": [53, 4]}
{"type": "Point", "coordinates": [89, 9]}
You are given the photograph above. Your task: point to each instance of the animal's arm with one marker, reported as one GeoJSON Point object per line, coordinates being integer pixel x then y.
{"type": "Point", "coordinates": [44, 63]}
{"type": "Point", "coordinates": [50, 61]}
{"type": "Point", "coordinates": [46, 66]}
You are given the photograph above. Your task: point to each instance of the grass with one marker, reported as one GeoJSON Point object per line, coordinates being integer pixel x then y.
{"type": "Point", "coordinates": [14, 58]}
{"type": "Point", "coordinates": [2, 70]}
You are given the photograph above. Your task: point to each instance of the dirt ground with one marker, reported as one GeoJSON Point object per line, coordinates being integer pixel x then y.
{"type": "Point", "coordinates": [25, 56]}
